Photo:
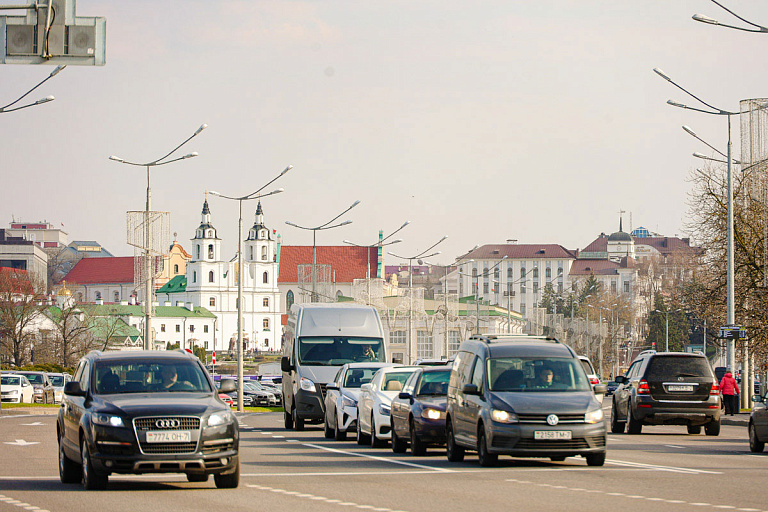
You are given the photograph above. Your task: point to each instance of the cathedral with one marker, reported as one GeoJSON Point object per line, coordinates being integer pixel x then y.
{"type": "Point", "coordinates": [211, 282]}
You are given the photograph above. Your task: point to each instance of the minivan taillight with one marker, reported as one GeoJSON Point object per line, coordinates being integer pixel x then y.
{"type": "Point", "coordinates": [642, 388]}
{"type": "Point", "coordinates": [714, 390]}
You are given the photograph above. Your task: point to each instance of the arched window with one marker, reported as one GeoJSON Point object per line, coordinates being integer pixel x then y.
{"type": "Point", "coordinates": [98, 295]}
{"type": "Point", "coordinates": [266, 277]}
{"type": "Point", "coordinates": [117, 296]}
{"type": "Point", "coordinates": [210, 276]}
{"type": "Point", "coordinates": [264, 253]}
{"type": "Point", "coordinates": [265, 302]}
{"type": "Point", "coordinates": [210, 251]}
{"type": "Point", "coordinates": [474, 272]}
{"type": "Point", "coordinates": [251, 258]}
{"type": "Point", "coordinates": [176, 268]}
{"type": "Point", "coordinates": [289, 300]}
{"type": "Point", "coordinates": [265, 324]}
{"type": "Point", "coordinates": [212, 301]}
{"type": "Point", "coordinates": [198, 251]}
{"type": "Point", "coordinates": [210, 233]}
{"type": "Point", "coordinates": [79, 296]}
{"type": "Point", "coordinates": [194, 275]}
{"type": "Point", "coordinates": [535, 272]}
{"type": "Point", "coordinates": [509, 272]}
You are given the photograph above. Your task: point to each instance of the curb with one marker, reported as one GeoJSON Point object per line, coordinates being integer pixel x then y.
{"type": "Point", "coordinates": [741, 420]}
{"type": "Point", "coordinates": [29, 411]}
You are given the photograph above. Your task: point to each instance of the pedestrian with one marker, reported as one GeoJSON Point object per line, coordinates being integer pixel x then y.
{"type": "Point", "coordinates": [729, 389]}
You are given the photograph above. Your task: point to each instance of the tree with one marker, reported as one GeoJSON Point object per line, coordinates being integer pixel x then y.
{"type": "Point", "coordinates": [20, 296]}
{"type": "Point", "coordinates": [74, 336]}
{"type": "Point", "coordinates": [679, 327]}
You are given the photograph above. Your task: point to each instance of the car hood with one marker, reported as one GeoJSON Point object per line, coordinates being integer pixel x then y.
{"type": "Point", "coordinates": [319, 374]}
{"type": "Point", "coordinates": [546, 402]}
{"type": "Point", "coordinates": [352, 392]}
{"type": "Point", "coordinates": [158, 404]}
{"type": "Point", "coordinates": [433, 402]}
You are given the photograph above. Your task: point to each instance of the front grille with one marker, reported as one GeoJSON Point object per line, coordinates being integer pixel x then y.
{"type": "Point", "coordinates": [111, 449]}
{"type": "Point", "coordinates": [185, 423]}
{"type": "Point", "coordinates": [544, 445]}
{"type": "Point", "coordinates": [542, 418]}
{"type": "Point", "coordinates": [168, 448]}
{"type": "Point", "coordinates": [323, 391]}
{"type": "Point", "coordinates": [143, 424]}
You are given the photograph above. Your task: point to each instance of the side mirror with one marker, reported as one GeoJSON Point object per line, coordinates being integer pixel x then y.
{"type": "Point", "coordinates": [227, 386]}
{"type": "Point", "coordinates": [73, 389]}
{"type": "Point", "coordinates": [332, 385]}
{"type": "Point", "coordinates": [285, 364]}
{"type": "Point", "coordinates": [470, 389]}
{"type": "Point", "coordinates": [757, 398]}
{"type": "Point", "coordinates": [600, 389]}
{"type": "Point", "coordinates": [404, 396]}
{"type": "Point", "coordinates": [366, 387]}
{"type": "Point", "coordinates": [620, 379]}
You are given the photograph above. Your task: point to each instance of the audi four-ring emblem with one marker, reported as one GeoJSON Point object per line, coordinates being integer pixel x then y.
{"type": "Point", "coordinates": [167, 423]}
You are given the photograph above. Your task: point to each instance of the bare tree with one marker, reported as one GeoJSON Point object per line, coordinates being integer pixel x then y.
{"type": "Point", "coordinates": [74, 335]}
{"type": "Point", "coordinates": [20, 296]}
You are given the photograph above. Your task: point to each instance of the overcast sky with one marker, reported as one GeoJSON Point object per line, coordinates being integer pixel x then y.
{"type": "Point", "coordinates": [483, 121]}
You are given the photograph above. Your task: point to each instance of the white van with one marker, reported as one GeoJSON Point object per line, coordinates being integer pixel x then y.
{"type": "Point", "coordinates": [319, 339]}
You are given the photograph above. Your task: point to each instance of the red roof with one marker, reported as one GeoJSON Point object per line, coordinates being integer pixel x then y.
{"type": "Point", "coordinates": [666, 245]}
{"type": "Point", "coordinates": [15, 281]}
{"type": "Point", "coordinates": [520, 251]}
{"type": "Point", "coordinates": [597, 267]}
{"type": "Point", "coordinates": [102, 270]}
{"type": "Point", "coordinates": [347, 261]}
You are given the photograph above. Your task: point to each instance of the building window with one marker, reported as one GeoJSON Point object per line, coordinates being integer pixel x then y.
{"type": "Point", "coordinates": [210, 251]}
{"type": "Point", "coordinates": [206, 345]}
{"type": "Point", "coordinates": [198, 252]}
{"type": "Point", "coordinates": [548, 273]}
{"type": "Point", "coordinates": [98, 295]}
{"type": "Point", "coordinates": [535, 287]}
{"type": "Point", "coordinates": [162, 327]}
{"type": "Point", "coordinates": [264, 253]}
{"type": "Point", "coordinates": [191, 328]}
{"type": "Point", "coordinates": [474, 272]}
{"type": "Point", "coordinates": [485, 288]}
{"type": "Point", "coordinates": [397, 337]}
{"type": "Point", "coordinates": [289, 300]}
{"type": "Point", "coordinates": [212, 302]}
{"type": "Point", "coordinates": [251, 257]}
{"type": "Point", "coordinates": [535, 272]}
{"type": "Point", "coordinates": [175, 268]}
{"type": "Point", "coordinates": [117, 296]}
{"type": "Point", "coordinates": [522, 288]}
{"type": "Point", "coordinates": [265, 302]}
{"type": "Point", "coordinates": [496, 273]}
{"type": "Point", "coordinates": [626, 286]}
{"type": "Point", "coordinates": [454, 340]}
{"type": "Point", "coordinates": [522, 308]}
{"type": "Point", "coordinates": [205, 328]}
{"type": "Point", "coordinates": [266, 342]}
{"type": "Point", "coordinates": [485, 273]}
{"type": "Point", "coordinates": [424, 344]}
{"type": "Point", "coordinates": [397, 357]}
{"type": "Point", "coordinates": [509, 273]}
{"type": "Point", "coordinates": [266, 277]}
{"type": "Point", "coordinates": [178, 328]}
{"type": "Point", "coordinates": [613, 285]}
{"type": "Point", "coordinates": [79, 296]}
{"type": "Point", "coordinates": [560, 287]}
{"type": "Point", "coordinates": [210, 276]}
{"type": "Point", "coordinates": [265, 324]}
{"type": "Point", "coordinates": [522, 272]}
{"type": "Point", "coordinates": [194, 276]}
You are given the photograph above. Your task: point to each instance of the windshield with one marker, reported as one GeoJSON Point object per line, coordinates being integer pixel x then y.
{"type": "Point", "coordinates": [434, 383]}
{"type": "Point", "coordinates": [515, 374]}
{"type": "Point", "coordinates": [336, 351]}
{"type": "Point", "coordinates": [10, 381]}
{"type": "Point", "coordinates": [117, 377]}
{"type": "Point", "coordinates": [356, 377]}
{"type": "Point", "coordinates": [57, 380]}
{"type": "Point", "coordinates": [34, 378]}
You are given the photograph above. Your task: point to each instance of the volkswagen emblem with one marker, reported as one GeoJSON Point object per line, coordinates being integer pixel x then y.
{"type": "Point", "coordinates": [552, 419]}
{"type": "Point", "coordinates": [681, 378]}
{"type": "Point", "coordinates": [167, 423]}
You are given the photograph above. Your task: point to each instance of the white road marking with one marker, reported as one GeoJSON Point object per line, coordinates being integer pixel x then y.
{"type": "Point", "coordinates": [321, 498]}
{"type": "Point", "coordinates": [656, 467]}
{"type": "Point", "coordinates": [674, 446]}
{"type": "Point", "coordinates": [374, 457]}
{"type": "Point", "coordinates": [21, 442]}
{"type": "Point", "coordinates": [35, 424]}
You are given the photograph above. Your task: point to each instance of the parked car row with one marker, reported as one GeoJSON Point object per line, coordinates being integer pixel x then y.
{"type": "Point", "coordinates": [257, 394]}
{"type": "Point", "coordinates": [45, 387]}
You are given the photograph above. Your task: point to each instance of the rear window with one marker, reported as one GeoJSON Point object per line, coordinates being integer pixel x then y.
{"type": "Point", "coordinates": [666, 367]}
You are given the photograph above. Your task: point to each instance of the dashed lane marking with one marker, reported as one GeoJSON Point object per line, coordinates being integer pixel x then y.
{"type": "Point", "coordinates": [26, 506]}
{"type": "Point", "coordinates": [374, 457]}
{"type": "Point", "coordinates": [656, 467]}
{"type": "Point", "coordinates": [322, 498]}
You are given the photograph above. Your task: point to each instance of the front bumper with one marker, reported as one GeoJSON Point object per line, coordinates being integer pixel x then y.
{"type": "Point", "coordinates": [309, 404]}
{"type": "Point", "coordinates": [348, 419]}
{"type": "Point", "coordinates": [430, 431]}
{"type": "Point", "coordinates": [518, 440]}
{"type": "Point", "coordinates": [11, 399]}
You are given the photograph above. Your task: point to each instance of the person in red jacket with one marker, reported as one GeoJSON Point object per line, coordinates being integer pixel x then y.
{"type": "Point", "coordinates": [729, 389]}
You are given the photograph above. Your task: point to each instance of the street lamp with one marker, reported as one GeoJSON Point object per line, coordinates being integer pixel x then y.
{"type": "Point", "coordinates": [381, 243]}
{"type": "Point", "coordinates": [6, 109]}
{"type": "Point", "coordinates": [730, 305]}
{"type": "Point", "coordinates": [477, 286]}
{"type": "Point", "coordinates": [149, 277]}
{"type": "Point", "coordinates": [314, 231]}
{"type": "Point", "coordinates": [252, 195]}
{"type": "Point", "coordinates": [422, 254]}
{"type": "Point", "coordinates": [666, 331]}
{"type": "Point", "coordinates": [712, 21]}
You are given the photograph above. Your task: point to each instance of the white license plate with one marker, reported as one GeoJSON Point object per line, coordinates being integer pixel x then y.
{"type": "Point", "coordinates": [175, 436]}
{"type": "Point", "coordinates": [679, 388]}
{"type": "Point", "coordinates": [552, 434]}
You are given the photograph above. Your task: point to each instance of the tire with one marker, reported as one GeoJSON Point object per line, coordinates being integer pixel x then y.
{"type": "Point", "coordinates": [69, 471]}
{"type": "Point", "coordinates": [398, 445]}
{"type": "Point", "coordinates": [617, 427]}
{"type": "Point", "coordinates": [338, 434]}
{"type": "Point", "coordinates": [375, 441]}
{"type": "Point", "coordinates": [196, 477]}
{"type": "Point", "coordinates": [486, 460]}
{"type": "Point", "coordinates": [755, 445]}
{"type": "Point", "coordinates": [93, 480]}
{"type": "Point", "coordinates": [633, 426]}
{"type": "Point", "coordinates": [287, 419]}
{"type": "Point", "coordinates": [694, 429]}
{"type": "Point", "coordinates": [595, 459]}
{"type": "Point", "coordinates": [228, 481]}
{"type": "Point", "coordinates": [712, 428]}
{"type": "Point", "coordinates": [454, 452]}
{"type": "Point", "coordinates": [298, 423]}
{"type": "Point", "coordinates": [418, 447]}
{"type": "Point", "coordinates": [361, 438]}
{"type": "Point", "coordinates": [327, 430]}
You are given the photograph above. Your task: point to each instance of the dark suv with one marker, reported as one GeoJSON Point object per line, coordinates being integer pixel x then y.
{"type": "Point", "coordinates": [667, 388]}
{"type": "Point", "coordinates": [146, 412]}
{"type": "Point", "coordinates": [525, 396]}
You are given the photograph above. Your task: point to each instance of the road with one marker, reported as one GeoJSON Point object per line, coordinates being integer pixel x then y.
{"type": "Point", "coordinates": [661, 470]}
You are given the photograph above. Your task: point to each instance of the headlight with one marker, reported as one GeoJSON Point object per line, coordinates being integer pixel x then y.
{"type": "Point", "coordinates": [38, 391]}
{"type": "Point", "coordinates": [504, 416]}
{"type": "Point", "coordinates": [384, 409]}
{"type": "Point", "coordinates": [306, 384]}
{"type": "Point", "coordinates": [348, 401]}
{"type": "Point", "coordinates": [108, 420]}
{"type": "Point", "coordinates": [595, 416]}
{"type": "Point", "coordinates": [13, 392]}
{"type": "Point", "coordinates": [432, 414]}
{"type": "Point", "coordinates": [220, 418]}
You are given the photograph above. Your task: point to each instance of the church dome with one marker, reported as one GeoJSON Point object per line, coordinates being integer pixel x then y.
{"type": "Point", "coordinates": [619, 236]}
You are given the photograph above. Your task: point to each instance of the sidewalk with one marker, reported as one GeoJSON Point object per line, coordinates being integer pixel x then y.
{"type": "Point", "coordinates": [740, 419]}
{"type": "Point", "coordinates": [17, 411]}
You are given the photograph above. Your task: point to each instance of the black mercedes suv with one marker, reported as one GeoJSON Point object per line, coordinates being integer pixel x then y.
{"type": "Point", "coordinates": [667, 388]}
{"type": "Point", "coordinates": [146, 412]}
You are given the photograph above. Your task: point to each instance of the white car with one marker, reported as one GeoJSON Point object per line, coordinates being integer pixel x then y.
{"type": "Point", "coordinates": [374, 406]}
{"type": "Point", "coordinates": [58, 380]}
{"type": "Point", "coordinates": [591, 375]}
{"type": "Point", "coordinates": [342, 395]}
{"type": "Point", "coordinates": [16, 389]}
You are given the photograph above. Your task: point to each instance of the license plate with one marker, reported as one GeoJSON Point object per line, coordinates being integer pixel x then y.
{"type": "Point", "coordinates": [176, 436]}
{"type": "Point", "coordinates": [677, 387]}
{"type": "Point", "coordinates": [552, 434]}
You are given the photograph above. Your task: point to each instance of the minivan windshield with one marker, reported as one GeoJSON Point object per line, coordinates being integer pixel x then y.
{"type": "Point", "coordinates": [118, 377]}
{"type": "Point", "coordinates": [531, 374]}
{"type": "Point", "coordinates": [339, 350]}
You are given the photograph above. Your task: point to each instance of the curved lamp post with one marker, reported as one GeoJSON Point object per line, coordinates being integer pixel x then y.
{"type": "Point", "coordinates": [252, 195]}
{"type": "Point", "coordinates": [6, 108]}
{"type": "Point", "coordinates": [314, 230]}
{"type": "Point", "coordinates": [712, 110]}
{"type": "Point", "coordinates": [149, 278]}
{"type": "Point", "coordinates": [712, 21]}
{"type": "Point", "coordinates": [477, 287]}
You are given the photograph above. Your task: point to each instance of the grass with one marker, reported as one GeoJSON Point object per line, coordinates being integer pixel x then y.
{"type": "Point", "coordinates": [19, 406]}
{"type": "Point", "coordinates": [263, 409]}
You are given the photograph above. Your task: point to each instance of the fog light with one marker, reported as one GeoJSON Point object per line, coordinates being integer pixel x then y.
{"type": "Point", "coordinates": [108, 463]}
{"type": "Point", "coordinates": [224, 461]}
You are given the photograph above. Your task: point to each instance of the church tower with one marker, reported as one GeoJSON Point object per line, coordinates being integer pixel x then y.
{"type": "Point", "coordinates": [206, 244]}
{"type": "Point", "coordinates": [260, 244]}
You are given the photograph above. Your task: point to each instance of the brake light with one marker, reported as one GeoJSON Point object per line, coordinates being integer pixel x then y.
{"type": "Point", "coordinates": [642, 388]}
{"type": "Point", "coordinates": [594, 380]}
{"type": "Point", "coordinates": [714, 390]}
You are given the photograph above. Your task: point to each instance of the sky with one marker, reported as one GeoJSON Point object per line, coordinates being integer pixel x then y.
{"type": "Point", "coordinates": [485, 121]}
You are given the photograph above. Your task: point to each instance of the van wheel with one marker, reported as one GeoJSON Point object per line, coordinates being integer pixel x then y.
{"type": "Point", "coordinates": [486, 459]}
{"type": "Point", "coordinates": [298, 423]}
{"type": "Point", "coordinates": [712, 428]}
{"type": "Point", "coordinates": [338, 434]}
{"type": "Point", "coordinates": [287, 419]}
{"type": "Point", "coordinates": [633, 426]}
{"type": "Point", "coordinates": [694, 429]}
{"type": "Point", "coordinates": [375, 441]}
{"type": "Point", "coordinates": [617, 427]}
{"type": "Point", "coordinates": [596, 459]}
{"type": "Point", "coordinates": [454, 452]}
{"type": "Point", "coordinates": [755, 445]}
{"type": "Point", "coordinates": [418, 448]}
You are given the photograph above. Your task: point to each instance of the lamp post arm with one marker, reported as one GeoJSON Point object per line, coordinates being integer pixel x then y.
{"type": "Point", "coordinates": [249, 196]}
{"type": "Point", "coordinates": [759, 27]}
{"type": "Point", "coordinates": [51, 75]}
{"type": "Point", "coordinates": [323, 226]}
{"type": "Point", "coordinates": [156, 162]}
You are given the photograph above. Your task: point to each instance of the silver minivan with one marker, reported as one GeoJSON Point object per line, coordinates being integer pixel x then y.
{"type": "Point", "coordinates": [319, 339]}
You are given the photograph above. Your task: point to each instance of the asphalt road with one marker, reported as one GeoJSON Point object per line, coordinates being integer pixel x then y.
{"type": "Point", "coordinates": [663, 469]}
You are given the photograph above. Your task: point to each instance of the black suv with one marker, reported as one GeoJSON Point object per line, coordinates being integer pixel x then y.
{"type": "Point", "coordinates": [146, 412]}
{"type": "Point", "coordinates": [524, 396]}
{"type": "Point", "coordinates": [667, 388]}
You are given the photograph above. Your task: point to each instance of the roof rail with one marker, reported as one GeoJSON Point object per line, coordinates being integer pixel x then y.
{"type": "Point", "coordinates": [95, 352]}
{"type": "Point", "coordinates": [491, 337]}
{"type": "Point", "coordinates": [646, 352]}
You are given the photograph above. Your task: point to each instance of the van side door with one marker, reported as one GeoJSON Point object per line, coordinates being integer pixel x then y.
{"type": "Point", "coordinates": [475, 403]}
{"type": "Point", "coordinates": [462, 418]}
